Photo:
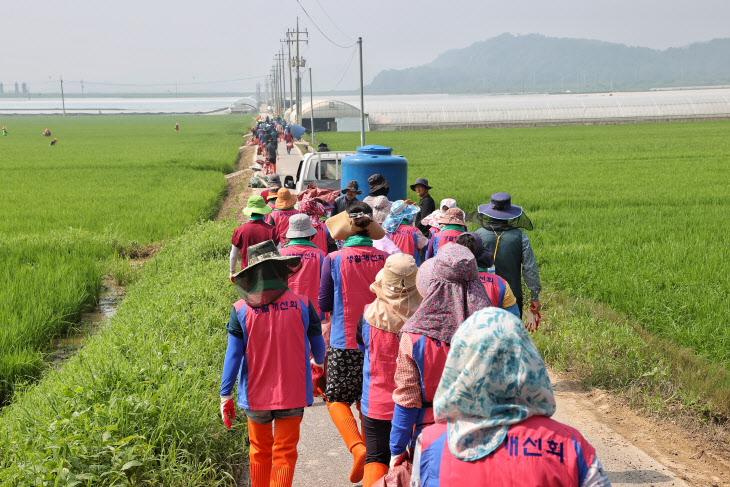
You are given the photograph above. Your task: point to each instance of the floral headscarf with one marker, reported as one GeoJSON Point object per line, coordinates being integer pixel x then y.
{"type": "Point", "coordinates": [313, 210]}
{"type": "Point", "coordinates": [451, 290]}
{"type": "Point", "coordinates": [432, 219]}
{"type": "Point", "coordinates": [494, 377]}
{"type": "Point", "coordinates": [380, 205]}
{"type": "Point", "coordinates": [400, 211]}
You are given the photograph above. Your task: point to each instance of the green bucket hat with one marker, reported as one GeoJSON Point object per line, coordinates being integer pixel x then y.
{"type": "Point", "coordinates": [256, 204]}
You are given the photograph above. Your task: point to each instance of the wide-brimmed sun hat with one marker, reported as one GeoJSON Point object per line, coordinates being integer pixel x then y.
{"type": "Point", "coordinates": [452, 216]}
{"type": "Point", "coordinates": [285, 199]}
{"type": "Point", "coordinates": [376, 182]}
{"type": "Point", "coordinates": [257, 282]}
{"type": "Point", "coordinates": [256, 204]}
{"type": "Point", "coordinates": [422, 182]}
{"type": "Point", "coordinates": [300, 227]}
{"type": "Point", "coordinates": [274, 181]}
{"type": "Point", "coordinates": [352, 186]}
{"type": "Point", "coordinates": [342, 226]}
{"type": "Point", "coordinates": [500, 207]}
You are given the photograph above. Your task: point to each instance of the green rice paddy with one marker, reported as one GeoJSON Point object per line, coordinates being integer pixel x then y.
{"type": "Point", "coordinates": [631, 216]}
{"type": "Point", "coordinates": [109, 183]}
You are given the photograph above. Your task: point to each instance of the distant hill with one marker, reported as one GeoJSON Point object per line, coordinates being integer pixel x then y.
{"type": "Point", "coordinates": [536, 63]}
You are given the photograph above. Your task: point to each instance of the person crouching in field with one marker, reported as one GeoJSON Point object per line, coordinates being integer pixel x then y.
{"type": "Point", "coordinates": [53, 142]}
{"type": "Point", "coordinates": [344, 291]}
{"type": "Point", "coordinates": [253, 232]}
{"type": "Point", "coordinates": [271, 333]}
{"type": "Point", "coordinates": [492, 410]}
{"type": "Point", "coordinates": [498, 290]}
{"type": "Point", "coordinates": [397, 300]}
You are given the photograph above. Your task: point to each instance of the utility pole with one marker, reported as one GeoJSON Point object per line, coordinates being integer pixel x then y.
{"type": "Point", "coordinates": [63, 98]}
{"type": "Point", "coordinates": [283, 83]}
{"type": "Point", "coordinates": [291, 85]}
{"type": "Point", "coordinates": [362, 98]}
{"type": "Point", "coordinates": [299, 64]}
{"type": "Point", "coordinates": [311, 106]}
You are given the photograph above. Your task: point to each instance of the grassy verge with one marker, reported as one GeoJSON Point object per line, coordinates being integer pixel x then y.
{"type": "Point", "coordinates": [605, 349]}
{"type": "Point", "coordinates": [139, 404]}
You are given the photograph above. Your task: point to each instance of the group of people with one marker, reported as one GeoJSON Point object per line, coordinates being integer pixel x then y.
{"type": "Point", "coordinates": [409, 317]}
{"type": "Point", "coordinates": [266, 133]}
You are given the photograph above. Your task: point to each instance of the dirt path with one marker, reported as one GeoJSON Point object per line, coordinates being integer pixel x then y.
{"type": "Point", "coordinates": [634, 450]}
{"type": "Point", "coordinates": [237, 190]}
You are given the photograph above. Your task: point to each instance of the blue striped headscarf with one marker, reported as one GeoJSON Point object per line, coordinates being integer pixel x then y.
{"type": "Point", "coordinates": [494, 377]}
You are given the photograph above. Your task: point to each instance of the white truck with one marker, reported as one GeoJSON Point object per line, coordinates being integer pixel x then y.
{"type": "Point", "coordinates": [321, 169]}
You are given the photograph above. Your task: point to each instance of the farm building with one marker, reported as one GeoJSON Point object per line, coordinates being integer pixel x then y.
{"type": "Point", "coordinates": [408, 112]}
{"type": "Point", "coordinates": [330, 116]}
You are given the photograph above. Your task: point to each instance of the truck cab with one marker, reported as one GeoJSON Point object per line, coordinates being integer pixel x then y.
{"type": "Point", "coordinates": [321, 169]}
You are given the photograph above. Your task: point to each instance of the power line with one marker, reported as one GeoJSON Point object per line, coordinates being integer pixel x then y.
{"type": "Point", "coordinates": [320, 30]}
{"type": "Point", "coordinates": [347, 68]}
{"type": "Point", "coordinates": [333, 22]}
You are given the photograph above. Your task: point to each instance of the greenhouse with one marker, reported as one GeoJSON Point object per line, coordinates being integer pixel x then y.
{"type": "Point", "coordinates": [399, 112]}
{"type": "Point", "coordinates": [330, 116]}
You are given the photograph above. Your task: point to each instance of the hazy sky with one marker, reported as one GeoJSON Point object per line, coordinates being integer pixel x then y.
{"type": "Point", "coordinates": [161, 41]}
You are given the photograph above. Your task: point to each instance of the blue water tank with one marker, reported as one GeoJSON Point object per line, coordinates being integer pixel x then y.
{"type": "Point", "coordinates": [374, 159]}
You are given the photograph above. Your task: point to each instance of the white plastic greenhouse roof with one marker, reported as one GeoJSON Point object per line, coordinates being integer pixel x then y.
{"type": "Point", "coordinates": [444, 110]}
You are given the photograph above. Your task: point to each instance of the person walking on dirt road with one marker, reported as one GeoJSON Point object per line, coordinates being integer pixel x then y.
{"type": "Point", "coordinates": [397, 299]}
{"type": "Point", "coordinates": [271, 152]}
{"type": "Point", "coordinates": [271, 333]}
{"type": "Point", "coordinates": [283, 210]}
{"type": "Point", "coordinates": [499, 292]}
{"type": "Point", "coordinates": [454, 225]}
{"type": "Point", "coordinates": [493, 406]}
{"type": "Point", "coordinates": [253, 232]}
{"type": "Point", "coordinates": [501, 233]}
{"type": "Point", "coordinates": [344, 291]}
{"type": "Point", "coordinates": [449, 284]}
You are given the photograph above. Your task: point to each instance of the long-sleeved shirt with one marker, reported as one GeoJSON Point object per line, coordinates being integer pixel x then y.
{"type": "Point", "coordinates": [427, 206]}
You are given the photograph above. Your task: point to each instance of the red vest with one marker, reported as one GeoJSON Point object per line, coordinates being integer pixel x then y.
{"type": "Point", "coordinates": [495, 287]}
{"type": "Point", "coordinates": [306, 281]}
{"type": "Point", "coordinates": [444, 237]}
{"type": "Point", "coordinates": [275, 372]}
{"type": "Point", "coordinates": [430, 357]}
{"type": "Point", "coordinates": [353, 270]}
{"type": "Point", "coordinates": [381, 352]}
{"type": "Point", "coordinates": [406, 240]}
{"type": "Point", "coordinates": [280, 219]}
{"type": "Point", "coordinates": [320, 239]}
{"type": "Point", "coordinates": [537, 451]}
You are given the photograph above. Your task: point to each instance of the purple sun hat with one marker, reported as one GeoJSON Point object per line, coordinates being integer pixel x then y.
{"type": "Point", "coordinates": [500, 207]}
